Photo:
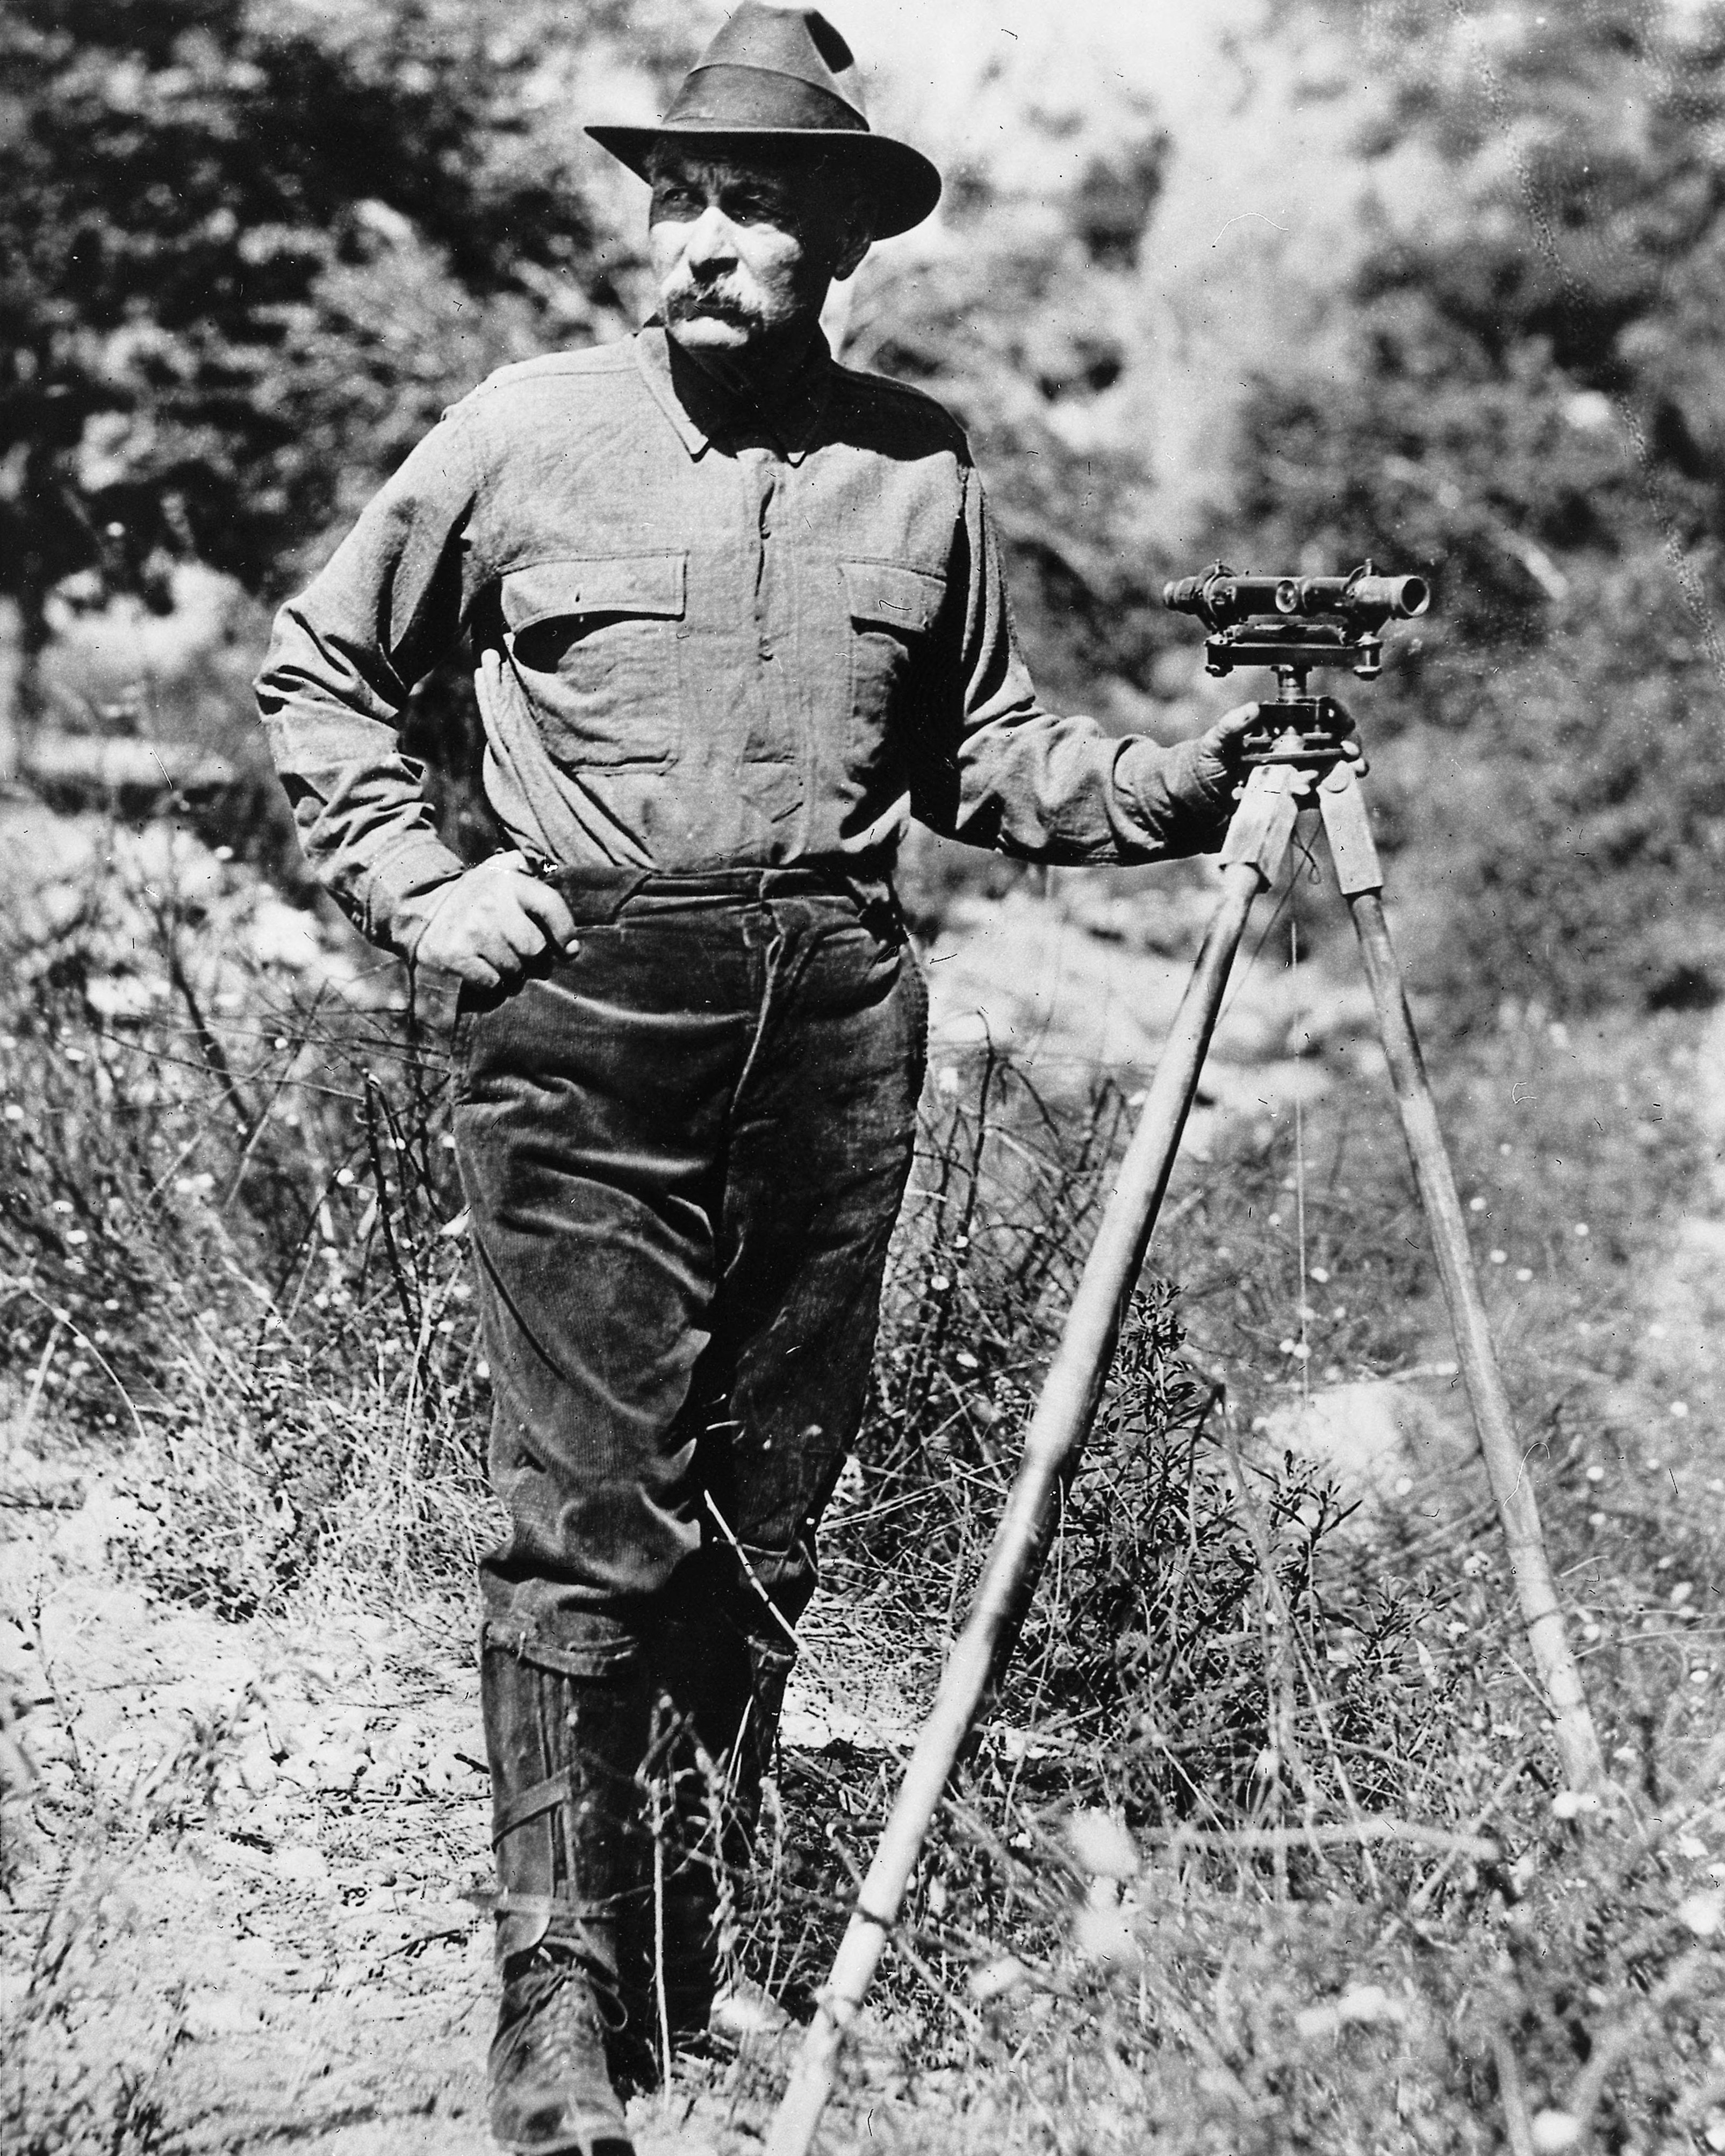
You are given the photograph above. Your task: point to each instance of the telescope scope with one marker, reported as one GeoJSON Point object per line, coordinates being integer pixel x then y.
{"type": "Point", "coordinates": [1222, 600]}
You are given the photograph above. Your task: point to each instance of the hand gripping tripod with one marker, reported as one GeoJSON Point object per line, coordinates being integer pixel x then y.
{"type": "Point", "coordinates": [1291, 624]}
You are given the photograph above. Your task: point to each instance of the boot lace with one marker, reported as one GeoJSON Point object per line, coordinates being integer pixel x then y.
{"type": "Point", "coordinates": [571, 2006]}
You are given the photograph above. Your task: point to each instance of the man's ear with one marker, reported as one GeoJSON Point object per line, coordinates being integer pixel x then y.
{"type": "Point", "coordinates": [855, 235]}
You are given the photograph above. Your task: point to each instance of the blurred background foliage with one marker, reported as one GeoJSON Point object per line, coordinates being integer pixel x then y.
{"type": "Point", "coordinates": [1527, 406]}
{"type": "Point", "coordinates": [247, 253]}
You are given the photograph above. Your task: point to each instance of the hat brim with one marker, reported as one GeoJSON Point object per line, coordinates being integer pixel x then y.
{"type": "Point", "coordinates": [905, 184]}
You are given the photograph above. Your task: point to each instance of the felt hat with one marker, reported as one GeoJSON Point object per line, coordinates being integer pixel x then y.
{"type": "Point", "coordinates": [782, 75]}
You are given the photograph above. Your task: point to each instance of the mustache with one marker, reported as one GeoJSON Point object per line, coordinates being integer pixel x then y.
{"type": "Point", "coordinates": [691, 302]}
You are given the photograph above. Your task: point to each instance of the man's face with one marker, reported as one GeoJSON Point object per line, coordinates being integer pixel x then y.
{"type": "Point", "coordinates": [744, 247]}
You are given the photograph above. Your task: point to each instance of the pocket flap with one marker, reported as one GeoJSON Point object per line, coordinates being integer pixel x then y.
{"type": "Point", "coordinates": [604, 583]}
{"type": "Point", "coordinates": [892, 592]}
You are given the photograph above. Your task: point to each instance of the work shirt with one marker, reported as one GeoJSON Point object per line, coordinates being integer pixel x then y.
{"type": "Point", "coordinates": [704, 637]}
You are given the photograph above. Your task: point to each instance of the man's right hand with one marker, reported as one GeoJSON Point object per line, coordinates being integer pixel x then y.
{"type": "Point", "coordinates": [492, 920]}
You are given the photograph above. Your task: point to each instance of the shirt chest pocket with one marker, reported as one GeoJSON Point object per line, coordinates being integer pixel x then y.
{"type": "Point", "coordinates": [892, 607]}
{"type": "Point", "coordinates": [596, 643]}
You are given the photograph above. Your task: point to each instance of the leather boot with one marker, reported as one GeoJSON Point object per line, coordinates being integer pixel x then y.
{"type": "Point", "coordinates": [721, 1693]}
{"type": "Point", "coordinates": [567, 1733]}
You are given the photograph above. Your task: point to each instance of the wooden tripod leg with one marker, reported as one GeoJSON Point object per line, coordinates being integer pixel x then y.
{"type": "Point", "coordinates": [1256, 843]}
{"type": "Point", "coordinates": [1362, 883]}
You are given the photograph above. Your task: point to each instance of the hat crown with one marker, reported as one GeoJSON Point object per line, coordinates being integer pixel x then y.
{"type": "Point", "coordinates": [798, 42]}
{"type": "Point", "coordinates": [774, 77]}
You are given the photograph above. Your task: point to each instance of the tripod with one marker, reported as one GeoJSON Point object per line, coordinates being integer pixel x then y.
{"type": "Point", "coordinates": [1307, 741]}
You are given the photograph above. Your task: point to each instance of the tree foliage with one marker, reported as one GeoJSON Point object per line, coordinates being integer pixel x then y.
{"type": "Point", "coordinates": [245, 256]}
{"type": "Point", "coordinates": [1022, 328]}
{"type": "Point", "coordinates": [1529, 412]}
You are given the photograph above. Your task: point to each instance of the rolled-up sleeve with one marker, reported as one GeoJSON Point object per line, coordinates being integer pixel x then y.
{"type": "Point", "coordinates": [343, 662]}
{"type": "Point", "coordinates": [1014, 777]}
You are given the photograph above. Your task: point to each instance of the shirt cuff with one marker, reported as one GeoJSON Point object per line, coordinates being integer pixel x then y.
{"type": "Point", "coordinates": [404, 889]}
{"type": "Point", "coordinates": [1177, 800]}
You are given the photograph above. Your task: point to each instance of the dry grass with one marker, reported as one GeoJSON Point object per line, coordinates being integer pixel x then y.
{"type": "Point", "coordinates": [1260, 1848]}
{"type": "Point", "coordinates": [226, 1177]}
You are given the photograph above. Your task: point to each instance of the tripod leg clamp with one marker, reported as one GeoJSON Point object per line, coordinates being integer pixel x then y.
{"type": "Point", "coordinates": [1264, 822]}
{"type": "Point", "coordinates": [1352, 847]}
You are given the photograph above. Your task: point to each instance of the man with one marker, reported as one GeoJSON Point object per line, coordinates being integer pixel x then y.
{"type": "Point", "coordinates": [736, 615]}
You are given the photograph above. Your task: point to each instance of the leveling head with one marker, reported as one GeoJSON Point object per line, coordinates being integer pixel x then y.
{"type": "Point", "coordinates": [1294, 624]}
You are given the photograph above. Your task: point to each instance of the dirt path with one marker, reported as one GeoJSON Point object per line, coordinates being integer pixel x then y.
{"type": "Point", "coordinates": [250, 1950]}
{"type": "Point", "coordinates": [267, 1951]}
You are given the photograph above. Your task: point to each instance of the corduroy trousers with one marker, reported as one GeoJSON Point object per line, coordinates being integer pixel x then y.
{"type": "Point", "coordinates": [683, 1149]}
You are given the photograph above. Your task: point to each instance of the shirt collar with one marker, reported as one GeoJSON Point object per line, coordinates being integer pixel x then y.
{"type": "Point", "coordinates": [702, 410]}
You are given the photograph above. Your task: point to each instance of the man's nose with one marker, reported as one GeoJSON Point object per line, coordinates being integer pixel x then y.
{"type": "Point", "coordinates": [712, 244]}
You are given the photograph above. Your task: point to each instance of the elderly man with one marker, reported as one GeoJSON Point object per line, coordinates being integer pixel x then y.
{"type": "Point", "coordinates": [736, 615]}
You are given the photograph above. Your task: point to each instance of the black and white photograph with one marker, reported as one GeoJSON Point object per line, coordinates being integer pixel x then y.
{"type": "Point", "coordinates": [862, 1078]}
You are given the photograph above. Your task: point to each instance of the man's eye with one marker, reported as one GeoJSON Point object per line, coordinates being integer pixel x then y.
{"type": "Point", "coordinates": [674, 201]}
